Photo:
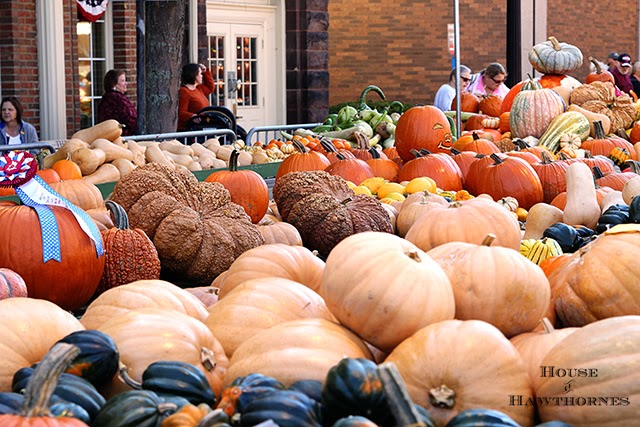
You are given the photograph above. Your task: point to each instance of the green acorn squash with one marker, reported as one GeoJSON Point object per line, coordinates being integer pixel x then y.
{"type": "Point", "coordinates": [178, 379]}
{"type": "Point", "coordinates": [354, 421]}
{"type": "Point", "coordinates": [353, 387]}
{"type": "Point", "coordinates": [312, 388]}
{"type": "Point", "coordinates": [566, 235]}
{"type": "Point", "coordinates": [136, 408]}
{"type": "Point", "coordinates": [481, 417]}
{"type": "Point", "coordinates": [70, 388]}
{"type": "Point", "coordinates": [286, 408]}
{"type": "Point", "coordinates": [614, 215]}
{"type": "Point", "coordinates": [98, 359]}
{"type": "Point", "coordinates": [243, 390]}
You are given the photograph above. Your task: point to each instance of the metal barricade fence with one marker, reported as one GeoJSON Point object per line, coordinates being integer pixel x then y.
{"type": "Point", "coordinates": [266, 133]}
{"type": "Point", "coordinates": [27, 147]}
{"type": "Point", "coordinates": [227, 136]}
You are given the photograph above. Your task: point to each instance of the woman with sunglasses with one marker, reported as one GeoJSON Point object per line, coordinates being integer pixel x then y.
{"type": "Point", "coordinates": [489, 81]}
{"type": "Point", "coordinates": [447, 92]}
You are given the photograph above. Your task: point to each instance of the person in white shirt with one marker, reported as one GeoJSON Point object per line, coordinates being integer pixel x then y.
{"type": "Point", "coordinates": [447, 92]}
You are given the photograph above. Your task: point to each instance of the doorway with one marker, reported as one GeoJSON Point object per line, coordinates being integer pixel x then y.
{"type": "Point", "coordinates": [246, 62]}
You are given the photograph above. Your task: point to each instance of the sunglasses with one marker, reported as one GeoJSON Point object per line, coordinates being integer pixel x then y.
{"type": "Point", "coordinates": [465, 79]}
{"type": "Point", "coordinates": [498, 82]}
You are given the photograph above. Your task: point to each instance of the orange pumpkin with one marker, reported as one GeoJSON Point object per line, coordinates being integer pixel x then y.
{"type": "Point", "coordinates": [302, 160]}
{"type": "Point", "coordinates": [603, 351]}
{"type": "Point", "coordinates": [368, 304]}
{"type": "Point", "coordinates": [445, 367]}
{"type": "Point", "coordinates": [468, 102]}
{"type": "Point", "coordinates": [422, 127]}
{"type": "Point", "coordinates": [382, 166]}
{"type": "Point", "coordinates": [519, 293]}
{"type": "Point", "coordinates": [437, 166]}
{"type": "Point", "coordinates": [80, 267]}
{"type": "Point", "coordinates": [508, 99]}
{"type": "Point", "coordinates": [246, 187]}
{"type": "Point", "coordinates": [468, 221]}
{"type": "Point", "coordinates": [351, 169]}
{"type": "Point", "coordinates": [11, 284]}
{"type": "Point", "coordinates": [67, 169]}
{"type": "Point", "coordinates": [599, 75]}
{"type": "Point", "coordinates": [490, 105]}
{"type": "Point", "coordinates": [48, 175]}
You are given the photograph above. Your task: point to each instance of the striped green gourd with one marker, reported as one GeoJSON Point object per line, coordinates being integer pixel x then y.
{"type": "Point", "coordinates": [568, 122]}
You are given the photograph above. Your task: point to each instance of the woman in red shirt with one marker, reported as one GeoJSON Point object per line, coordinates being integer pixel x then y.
{"type": "Point", "coordinates": [197, 84]}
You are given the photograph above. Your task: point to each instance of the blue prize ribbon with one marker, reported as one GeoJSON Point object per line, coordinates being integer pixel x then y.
{"type": "Point", "coordinates": [81, 215]}
{"type": "Point", "coordinates": [48, 227]}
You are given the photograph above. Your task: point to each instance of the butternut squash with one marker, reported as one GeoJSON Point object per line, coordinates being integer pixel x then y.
{"type": "Point", "coordinates": [124, 166]}
{"type": "Point", "coordinates": [211, 142]}
{"type": "Point", "coordinates": [593, 117]}
{"type": "Point", "coordinates": [582, 206]}
{"type": "Point", "coordinates": [107, 172]}
{"type": "Point", "coordinates": [244, 158]}
{"type": "Point", "coordinates": [194, 166]}
{"type": "Point", "coordinates": [109, 129]}
{"type": "Point", "coordinates": [89, 159]}
{"type": "Point", "coordinates": [120, 141]}
{"type": "Point", "coordinates": [259, 157]}
{"type": "Point", "coordinates": [224, 152]}
{"type": "Point", "coordinates": [153, 154]}
{"type": "Point", "coordinates": [111, 150]}
{"type": "Point", "coordinates": [138, 153]}
{"type": "Point", "coordinates": [176, 147]}
{"type": "Point", "coordinates": [611, 198]}
{"type": "Point", "coordinates": [179, 159]}
{"type": "Point", "coordinates": [631, 189]}
{"type": "Point", "coordinates": [540, 217]}
{"type": "Point", "coordinates": [64, 152]}
{"type": "Point", "coordinates": [199, 150]}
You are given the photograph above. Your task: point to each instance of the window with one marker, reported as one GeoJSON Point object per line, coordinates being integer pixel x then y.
{"type": "Point", "coordinates": [92, 66]}
{"type": "Point", "coordinates": [247, 72]}
{"type": "Point", "coordinates": [216, 65]}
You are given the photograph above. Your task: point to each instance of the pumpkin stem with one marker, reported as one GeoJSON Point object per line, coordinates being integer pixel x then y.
{"type": "Point", "coordinates": [123, 375]}
{"type": "Point", "coordinates": [597, 172]}
{"type": "Point", "coordinates": [555, 43]}
{"type": "Point", "coordinates": [362, 140]}
{"type": "Point", "coordinates": [233, 160]}
{"type": "Point", "coordinates": [400, 403]}
{"type": "Point", "coordinates": [299, 146]}
{"type": "Point", "coordinates": [374, 153]}
{"type": "Point", "coordinates": [340, 156]}
{"type": "Point", "coordinates": [520, 143]}
{"type": "Point", "coordinates": [413, 254]}
{"type": "Point", "coordinates": [415, 152]}
{"type": "Point", "coordinates": [599, 130]}
{"type": "Point", "coordinates": [442, 397]}
{"type": "Point", "coordinates": [120, 217]}
{"type": "Point", "coordinates": [497, 159]}
{"type": "Point", "coordinates": [546, 324]}
{"type": "Point", "coordinates": [596, 64]}
{"type": "Point", "coordinates": [207, 358]}
{"type": "Point", "coordinates": [454, 151]}
{"type": "Point", "coordinates": [546, 158]}
{"type": "Point", "coordinates": [328, 145]}
{"type": "Point", "coordinates": [44, 379]}
{"type": "Point", "coordinates": [425, 152]}
{"type": "Point", "coordinates": [475, 136]}
{"type": "Point", "coordinates": [489, 239]}
{"type": "Point", "coordinates": [622, 134]}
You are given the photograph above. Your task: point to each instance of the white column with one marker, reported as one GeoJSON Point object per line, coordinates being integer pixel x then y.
{"type": "Point", "coordinates": [193, 31]}
{"type": "Point", "coordinates": [534, 30]}
{"type": "Point", "coordinates": [50, 30]}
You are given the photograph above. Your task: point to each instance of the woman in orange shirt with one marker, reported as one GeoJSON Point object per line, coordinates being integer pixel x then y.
{"type": "Point", "coordinates": [197, 84]}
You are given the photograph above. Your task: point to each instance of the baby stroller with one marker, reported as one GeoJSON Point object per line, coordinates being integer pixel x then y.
{"type": "Point", "coordinates": [216, 117]}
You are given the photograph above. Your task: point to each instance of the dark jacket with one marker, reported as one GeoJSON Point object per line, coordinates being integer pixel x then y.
{"type": "Point", "coordinates": [116, 105]}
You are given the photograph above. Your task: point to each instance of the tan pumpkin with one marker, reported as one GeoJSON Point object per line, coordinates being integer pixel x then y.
{"type": "Point", "coordinates": [259, 304]}
{"type": "Point", "coordinates": [148, 335]}
{"type": "Point", "coordinates": [295, 263]}
{"type": "Point", "coordinates": [534, 346]}
{"type": "Point", "coordinates": [302, 349]}
{"type": "Point", "coordinates": [384, 288]}
{"type": "Point", "coordinates": [604, 355]}
{"type": "Point", "coordinates": [79, 192]}
{"type": "Point", "coordinates": [141, 294]}
{"type": "Point", "coordinates": [410, 213]}
{"type": "Point", "coordinates": [30, 327]}
{"type": "Point", "coordinates": [494, 284]}
{"type": "Point", "coordinates": [596, 286]}
{"type": "Point", "coordinates": [469, 221]}
{"type": "Point", "coordinates": [280, 232]}
{"type": "Point", "coordinates": [455, 365]}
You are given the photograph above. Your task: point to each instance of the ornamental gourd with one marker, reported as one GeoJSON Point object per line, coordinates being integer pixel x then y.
{"type": "Point", "coordinates": [130, 255]}
{"type": "Point", "coordinates": [533, 110]}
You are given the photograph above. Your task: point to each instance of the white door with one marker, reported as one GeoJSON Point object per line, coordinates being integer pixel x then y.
{"type": "Point", "coordinates": [242, 57]}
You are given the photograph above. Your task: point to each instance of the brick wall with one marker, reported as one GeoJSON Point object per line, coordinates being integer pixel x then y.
{"type": "Point", "coordinates": [402, 46]}
{"type": "Point", "coordinates": [19, 57]}
{"type": "Point", "coordinates": [124, 43]}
